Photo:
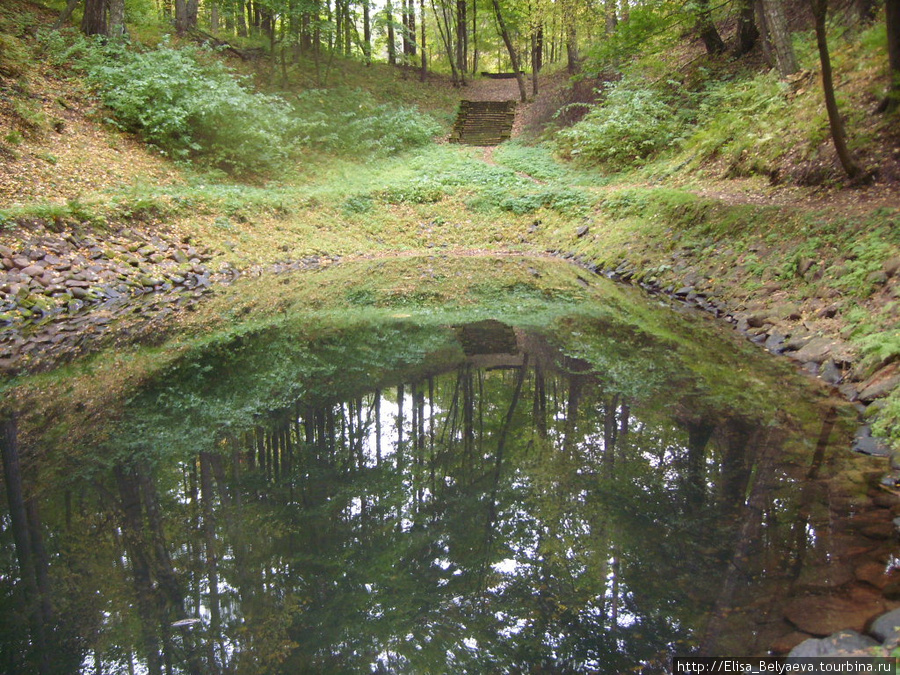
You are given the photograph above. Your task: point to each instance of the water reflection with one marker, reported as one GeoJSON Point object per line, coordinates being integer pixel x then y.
{"type": "Point", "coordinates": [507, 507]}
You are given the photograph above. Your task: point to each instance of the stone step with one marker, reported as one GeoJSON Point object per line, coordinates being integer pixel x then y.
{"type": "Point", "coordinates": [483, 122]}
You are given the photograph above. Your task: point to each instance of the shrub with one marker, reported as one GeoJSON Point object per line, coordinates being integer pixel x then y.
{"type": "Point", "coordinates": [631, 124]}
{"type": "Point", "coordinates": [193, 110]}
{"type": "Point", "coordinates": [350, 121]}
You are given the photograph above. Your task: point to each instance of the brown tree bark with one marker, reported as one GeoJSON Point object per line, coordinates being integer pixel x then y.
{"type": "Point", "coordinates": [892, 18]}
{"type": "Point", "coordinates": [747, 32]}
{"type": "Point", "coordinates": [707, 29]}
{"type": "Point", "coordinates": [513, 57]}
{"type": "Point", "coordinates": [852, 169]}
{"type": "Point", "coordinates": [780, 37]}
{"type": "Point", "coordinates": [22, 539]}
{"type": "Point", "coordinates": [93, 22]}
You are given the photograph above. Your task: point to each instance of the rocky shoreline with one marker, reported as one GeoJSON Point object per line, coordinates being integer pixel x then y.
{"type": "Point", "coordinates": [65, 295]}
{"type": "Point", "coordinates": [781, 330]}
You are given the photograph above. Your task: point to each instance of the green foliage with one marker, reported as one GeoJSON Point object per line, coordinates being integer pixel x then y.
{"type": "Point", "coordinates": [744, 121]}
{"type": "Point", "coordinates": [560, 199]}
{"type": "Point", "coordinates": [633, 123]}
{"type": "Point", "coordinates": [350, 121]}
{"type": "Point", "coordinates": [13, 56]}
{"type": "Point", "coordinates": [190, 109]}
{"type": "Point", "coordinates": [536, 162]}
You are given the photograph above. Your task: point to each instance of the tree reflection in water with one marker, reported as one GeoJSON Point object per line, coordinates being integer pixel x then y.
{"type": "Point", "coordinates": [510, 509]}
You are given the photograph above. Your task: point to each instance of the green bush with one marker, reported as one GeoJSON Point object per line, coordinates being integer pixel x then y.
{"type": "Point", "coordinates": [190, 109]}
{"type": "Point", "coordinates": [632, 123]}
{"type": "Point", "coordinates": [350, 121]}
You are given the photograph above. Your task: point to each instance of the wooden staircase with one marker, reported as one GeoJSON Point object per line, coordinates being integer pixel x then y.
{"type": "Point", "coordinates": [483, 122]}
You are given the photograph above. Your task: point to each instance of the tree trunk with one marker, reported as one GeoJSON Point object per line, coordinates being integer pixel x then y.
{"type": "Point", "coordinates": [94, 20]}
{"type": "Point", "coordinates": [116, 19]}
{"type": "Point", "coordinates": [820, 9]}
{"type": "Point", "coordinates": [392, 48]}
{"type": "Point", "coordinates": [612, 19]}
{"type": "Point", "coordinates": [707, 29]}
{"type": "Point", "coordinates": [747, 32]}
{"type": "Point", "coordinates": [892, 18]}
{"type": "Point", "coordinates": [513, 57]}
{"type": "Point", "coordinates": [462, 30]}
{"type": "Point", "coordinates": [66, 14]}
{"type": "Point", "coordinates": [15, 495]}
{"type": "Point", "coordinates": [424, 74]}
{"type": "Point", "coordinates": [780, 37]}
{"type": "Point", "coordinates": [367, 32]}
{"type": "Point", "coordinates": [572, 61]}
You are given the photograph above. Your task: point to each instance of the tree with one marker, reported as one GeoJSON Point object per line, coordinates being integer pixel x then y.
{"type": "Point", "coordinates": [820, 9]}
{"type": "Point", "coordinates": [892, 18]}
{"type": "Point", "coordinates": [707, 29]}
{"type": "Point", "coordinates": [185, 15]}
{"type": "Point", "coordinates": [93, 22]}
{"type": "Point", "coordinates": [513, 57]}
{"type": "Point", "coordinates": [776, 32]}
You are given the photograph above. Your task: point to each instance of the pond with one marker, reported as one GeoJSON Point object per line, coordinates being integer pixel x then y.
{"type": "Point", "coordinates": [550, 474]}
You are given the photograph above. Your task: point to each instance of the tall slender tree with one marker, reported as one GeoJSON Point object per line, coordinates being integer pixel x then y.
{"type": "Point", "coordinates": [838, 135]}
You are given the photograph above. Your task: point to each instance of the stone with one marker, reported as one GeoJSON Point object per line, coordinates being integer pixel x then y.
{"type": "Point", "coordinates": [786, 643]}
{"type": "Point", "coordinates": [878, 277]}
{"type": "Point", "coordinates": [865, 444]}
{"type": "Point", "coordinates": [818, 349]}
{"type": "Point", "coordinates": [872, 573]}
{"type": "Point", "coordinates": [891, 267]}
{"type": "Point", "coordinates": [831, 373]}
{"type": "Point", "coordinates": [33, 270]}
{"type": "Point", "coordinates": [837, 644]}
{"type": "Point", "coordinates": [6, 252]}
{"type": "Point", "coordinates": [822, 615]}
{"type": "Point", "coordinates": [881, 383]}
{"type": "Point", "coordinates": [886, 626]}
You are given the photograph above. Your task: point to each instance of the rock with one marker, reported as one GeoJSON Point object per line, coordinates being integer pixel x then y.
{"type": "Point", "coordinates": [872, 573]}
{"type": "Point", "coordinates": [878, 277]}
{"type": "Point", "coordinates": [6, 252]}
{"type": "Point", "coordinates": [841, 643]}
{"type": "Point", "coordinates": [831, 373]}
{"type": "Point", "coordinates": [787, 642]}
{"type": "Point", "coordinates": [886, 627]}
{"type": "Point", "coordinates": [881, 383]}
{"type": "Point", "coordinates": [824, 614]}
{"type": "Point", "coordinates": [865, 444]}
{"type": "Point", "coordinates": [818, 349]}
{"type": "Point", "coordinates": [33, 270]}
{"type": "Point", "coordinates": [891, 267]}
{"type": "Point", "coordinates": [797, 341]}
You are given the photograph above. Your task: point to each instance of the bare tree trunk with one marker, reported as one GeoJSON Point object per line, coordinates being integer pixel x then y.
{"type": "Point", "coordinates": [392, 48]}
{"type": "Point", "coordinates": [513, 57]}
{"type": "Point", "coordinates": [820, 9]}
{"type": "Point", "coordinates": [780, 37]}
{"type": "Point", "coordinates": [94, 20]}
{"type": "Point", "coordinates": [747, 32]}
{"type": "Point", "coordinates": [66, 14]}
{"type": "Point", "coordinates": [612, 19]}
{"type": "Point", "coordinates": [892, 18]}
{"type": "Point", "coordinates": [573, 62]}
{"type": "Point", "coordinates": [462, 30]}
{"type": "Point", "coordinates": [116, 19]}
{"type": "Point", "coordinates": [707, 29]}
{"type": "Point", "coordinates": [424, 73]}
{"type": "Point", "coordinates": [15, 495]}
{"type": "Point", "coordinates": [367, 32]}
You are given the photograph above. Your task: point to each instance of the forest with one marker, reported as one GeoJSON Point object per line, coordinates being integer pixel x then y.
{"type": "Point", "coordinates": [341, 336]}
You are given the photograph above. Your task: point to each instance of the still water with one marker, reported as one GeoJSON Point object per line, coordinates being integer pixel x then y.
{"type": "Point", "coordinates": [590, 490]}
